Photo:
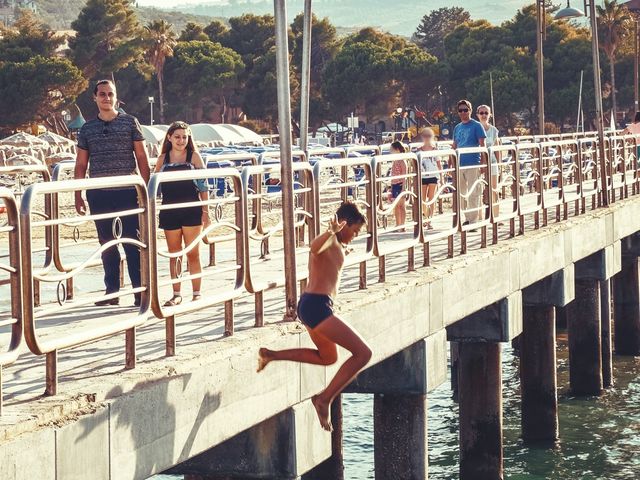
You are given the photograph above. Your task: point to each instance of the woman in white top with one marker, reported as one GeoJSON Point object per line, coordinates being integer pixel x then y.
{"type": "Point", "coordinates": [493, 138]}
{"type": "Point", "coordinates": [431, 172]}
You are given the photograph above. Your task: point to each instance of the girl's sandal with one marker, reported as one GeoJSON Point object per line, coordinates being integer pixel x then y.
{"type": "Point", "coordinates": [173, 301]}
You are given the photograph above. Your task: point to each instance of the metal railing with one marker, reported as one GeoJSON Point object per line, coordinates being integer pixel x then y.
{"type": "Point", "coordinates": [387, 204]}
{"type": "Point", "coordinates": [13, 317]}
{"type": "Point", "coordinates": [513, 182]}
{"type": "Point", "coordinates": [347, 179]}
{"type": "Point", "coordinates": [227, 279]}
{"type": "Point", "coordinates": [50, 345]}
{"type": "Point", "coordinates": [261, 189]}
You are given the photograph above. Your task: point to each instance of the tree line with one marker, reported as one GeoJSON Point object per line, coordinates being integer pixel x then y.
{"type": "Point", "coordinates": [225, 71]}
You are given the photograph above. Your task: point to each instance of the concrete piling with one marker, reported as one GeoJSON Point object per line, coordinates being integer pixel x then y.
{"type": "Point", "coordinates": [538, 375]}
{"type": "Point", "coordinates": [605, 328]}
{"type": "Point", "coordinates": [627, 308]}
{"type": "Point", "coordinates": [585, 336]}
{"type": "Point", "coordinates": [480, 400]}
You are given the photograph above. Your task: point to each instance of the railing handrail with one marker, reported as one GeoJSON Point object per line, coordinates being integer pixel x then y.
{"type": "Point", "coordinates": [14, 269]}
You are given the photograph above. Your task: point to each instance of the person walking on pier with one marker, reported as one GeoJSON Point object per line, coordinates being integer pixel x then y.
{"type": "Point", "coordinates": [493, 139]}
{"type": "Point", "coordinates": [469, 133]}
{"type": "Point", "coordinates": [179, 153]}
{"type": "Point", "coordinates": [398, 168]}
{"type": "Point", "coordinates": [112, 144]}
{"type": "Point", "coordinates": [431, 173]}
{"type": "Point", "coordinates": [315, 309]}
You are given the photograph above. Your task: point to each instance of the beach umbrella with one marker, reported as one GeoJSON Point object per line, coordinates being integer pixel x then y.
{"type": "Point", "coordinates": [23, 139]}
{"type": "Point", "coordinates": [55, 139]}
{"type": "Point", "coordinates": [21, 160]}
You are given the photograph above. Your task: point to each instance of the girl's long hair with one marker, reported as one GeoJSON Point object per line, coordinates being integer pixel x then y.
{"type": "Point", "coordinates": [399, 146]}
{"type": "Point", "coordinates": [166, 144]}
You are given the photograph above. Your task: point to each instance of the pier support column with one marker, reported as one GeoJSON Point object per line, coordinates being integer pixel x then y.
{"type": "Point", "coordinates": [399, 385]}
{"type": "Point", "coordinates": [538, 381]}
{"type": "Point", "coordinates": [480, 399]}
{"type": "Point", "coordinates": [626, 294]}
{"type": "Point", "coordinates": [584, 320]}
{"type": "Point", "coordinates": [480, 385]}
{"type": "Point", "coordinates": [400, 436]}
{"type": "Point", "coordinates": [605, 328]}
{"type": "Point", "coordinates": [585, 336]}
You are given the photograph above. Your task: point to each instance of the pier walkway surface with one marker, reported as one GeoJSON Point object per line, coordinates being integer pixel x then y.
{"type": "Point", "coordinates": [78, 401]}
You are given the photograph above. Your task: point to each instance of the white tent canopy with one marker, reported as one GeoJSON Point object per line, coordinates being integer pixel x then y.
{"type": "Point", "coordinates": [152, 134]}
{"type": "Point", "coordinates": [221, 133]}
{"type": "Point", "coordinates": [225, 134]}
{"type": "Point", "coordinates": [249, 136]}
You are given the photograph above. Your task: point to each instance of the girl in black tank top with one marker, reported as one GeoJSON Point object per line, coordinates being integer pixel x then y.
{"type": "Point", "coordinates": [182, 225]}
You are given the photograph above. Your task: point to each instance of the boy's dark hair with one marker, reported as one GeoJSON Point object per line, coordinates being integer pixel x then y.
{"type": "Point", "coordinates": [103, 82]}
{"type": "Point", "coordinates": [466, 103]}
{"type": "Point", "coordinates": [349, 212]}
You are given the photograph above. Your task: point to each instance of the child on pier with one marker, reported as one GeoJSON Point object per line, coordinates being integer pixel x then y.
{"type": "Point", "coordinates": [327, 331]}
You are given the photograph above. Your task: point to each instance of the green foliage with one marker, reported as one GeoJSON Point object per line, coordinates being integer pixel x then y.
{"type": "Point", "coordinates": [108, 37]}
{"type": "Point", "coordinates": [217, 31]}
{"type": "Point", "coordinates": [193, 32]}
{"type": "Point", "coordinates": [32, 89]}
{"type": "Point", "coordinates": [27, 37]}
{"type": "Point", "coordinates": [199, 72]}
{"type": "Point", "coordinates": [437, 25]}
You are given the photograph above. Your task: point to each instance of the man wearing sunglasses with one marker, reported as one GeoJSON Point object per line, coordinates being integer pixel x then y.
{"type": "Point", "coordinates": [109, 145]}
{"type": "Point", "coordinates": [469, 133]}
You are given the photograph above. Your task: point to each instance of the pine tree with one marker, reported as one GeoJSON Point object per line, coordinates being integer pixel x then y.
{"type": "Point", "coordinates": [108, 37]}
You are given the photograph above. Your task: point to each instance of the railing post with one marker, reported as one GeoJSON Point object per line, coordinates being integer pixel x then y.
{"type": "Point", "coordinates": [305, 84]}
{"type": "Point", "coordinates": [286, 176]}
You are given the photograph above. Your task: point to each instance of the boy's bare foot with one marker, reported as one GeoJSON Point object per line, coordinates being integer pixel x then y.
{"type": "Point", "coordinates": [264, 357]}
{"type": "Point", "coordinates": [322, 409]}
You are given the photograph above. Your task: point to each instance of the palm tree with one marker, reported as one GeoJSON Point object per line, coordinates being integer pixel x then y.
{"type": "Point", "coordinates": [613, 19]}
{"type": "Point", "coordinates": [160, 39]}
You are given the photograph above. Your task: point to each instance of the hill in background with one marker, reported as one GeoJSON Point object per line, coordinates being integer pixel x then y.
{"type": "Point", "coordinates": [59, 14]}
{"type": "Point", "coordinates": [396, 16]}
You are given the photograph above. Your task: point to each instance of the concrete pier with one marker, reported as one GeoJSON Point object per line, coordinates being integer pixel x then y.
{"type": "Point", "coordinates": [627, 307]}
{"type": "Point", "coordinates": [480, 400]}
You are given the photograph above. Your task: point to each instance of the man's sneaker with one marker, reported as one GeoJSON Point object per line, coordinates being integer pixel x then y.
{"type": "Point", "coordinates": [109, 301]}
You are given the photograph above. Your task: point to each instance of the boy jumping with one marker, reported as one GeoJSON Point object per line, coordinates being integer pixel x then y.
{"type": "Point", "coordinates": [315, 309]}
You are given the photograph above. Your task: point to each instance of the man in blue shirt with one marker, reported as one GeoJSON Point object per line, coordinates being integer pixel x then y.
{"type": "Point", "coordinates": [469, 133]}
